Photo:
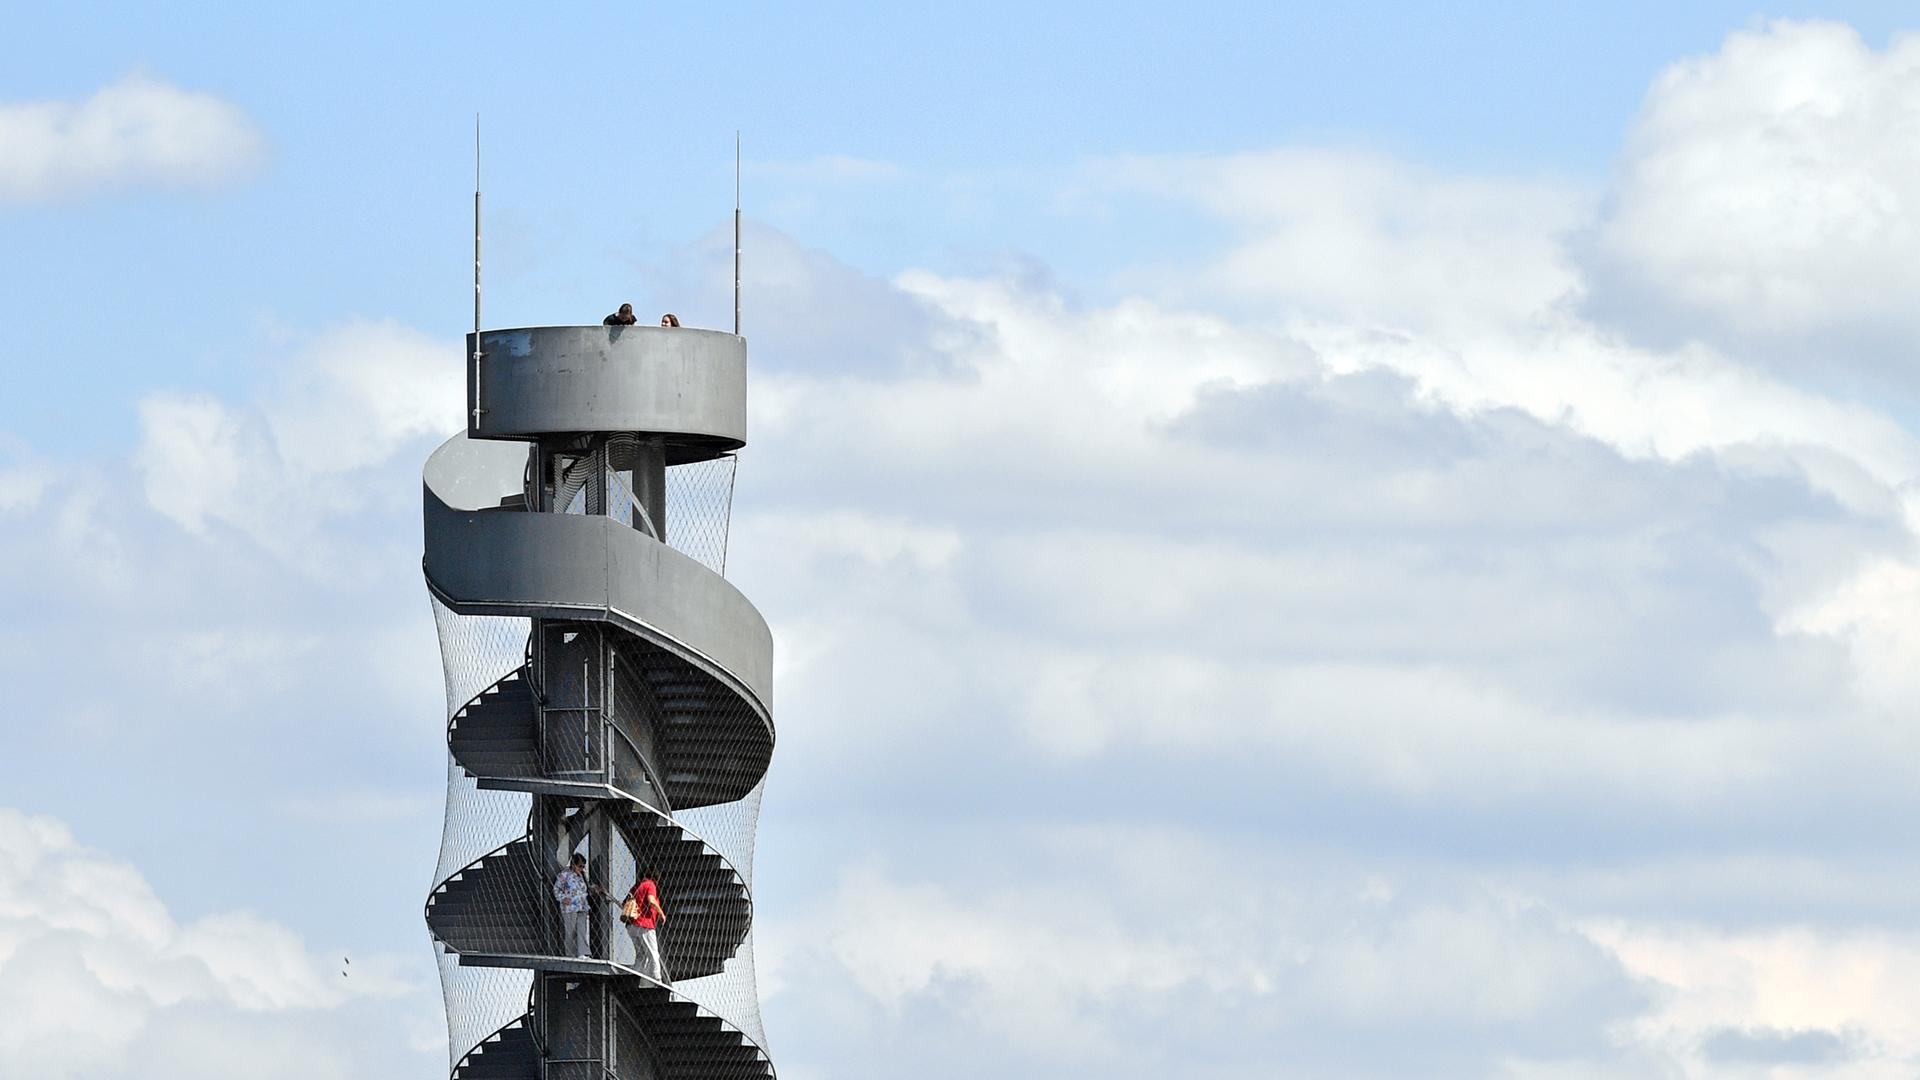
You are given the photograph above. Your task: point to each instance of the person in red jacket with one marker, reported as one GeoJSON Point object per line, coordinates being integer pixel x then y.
{"type": "Point", "coordinates": [643, 905]}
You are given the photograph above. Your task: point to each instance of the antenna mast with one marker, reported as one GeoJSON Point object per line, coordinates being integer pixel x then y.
{"type": "Point", "coordinates": [736, 232]}
{"type": "Point", "coordinates": [477, 410]}
{"type": "Point", "coordinates": [476, 230]}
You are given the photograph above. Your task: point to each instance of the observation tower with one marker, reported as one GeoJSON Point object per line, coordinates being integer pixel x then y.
{"type": "Point", "coordinates": [609, 695]}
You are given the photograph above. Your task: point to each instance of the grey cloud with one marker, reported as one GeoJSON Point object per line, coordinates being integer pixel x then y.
{"type": "Point", "coordinates": [805, 312]}
{"type": "Point", "coordinates": [1769, 1046]}
{"type": "Point", "coordinates": [1587, 577]}
{"type": "Point", "coordinates": [1136, 952]}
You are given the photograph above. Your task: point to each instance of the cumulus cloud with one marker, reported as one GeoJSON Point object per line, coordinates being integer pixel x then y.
{"type": "Point", "coordinates": [1788, 995]}
{"type": "Point", "coordinates": [97, 978]}
{"type": "Point", "coordinates": [1364, 237]}
{"type": "Point", "coordinates": [1153, 938]}
{"type": "Point", "coordinates": [1801, 102]}
{"type": "Point", "coordinates": [1766, 191]}
{"type": "Point", "coordinates": [140, 131]}
{"type": "Point", "coordinates": [1248, 551]}
{"type": "Point", "coordinates": [277, 468]}
{"type": "Point", "coordinates": [1413, 546]}
{"type": "Point", "coordinates": [1139, 561]}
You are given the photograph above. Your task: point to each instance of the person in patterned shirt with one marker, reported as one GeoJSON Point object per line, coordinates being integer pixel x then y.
{"type": "Point", "coordinates": [572, 892]}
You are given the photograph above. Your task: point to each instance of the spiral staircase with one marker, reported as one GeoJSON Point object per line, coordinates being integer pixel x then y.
{"type": "Point", "coordinates": [608, 696]}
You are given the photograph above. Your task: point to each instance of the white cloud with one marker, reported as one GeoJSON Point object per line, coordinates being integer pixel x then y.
{"type": "Point", "coordinates": [1766, 187]}
{"type": "Point", "coordinates": [1872, 613]}
{"type": "Point", "coordinates": [359, 391]}
{"type": "Point", "coordinates": [95, 973]}
{"type": "Point", "coordinates": [196, 454]}
{"type": "Point", "coordinates": [135, 132]}
{"type": "Point", "coordinates": [1153, 938]}
{"type": "Point", "coordinates": [1757, 193]}
{"type": "Point", "coordinates": [1646, 404]}
{"type": "Point", "coordinates": [278, 469]}
{"type": "Point", "coordinates": [1181, 537]}
{"type": "Point", "coordinates": [1369, 239]}
{"type": "Point", "coordinates": [1856, 987]}
{"type": "Point", "coordinates": [1552, 589]}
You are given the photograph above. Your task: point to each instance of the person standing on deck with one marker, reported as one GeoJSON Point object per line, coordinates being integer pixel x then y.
{"type": "Point", "coordinates": [571, 892]}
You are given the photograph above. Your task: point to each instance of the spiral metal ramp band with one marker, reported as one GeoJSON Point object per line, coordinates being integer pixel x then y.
{"type": "Point", "coordinates": [608, 696]}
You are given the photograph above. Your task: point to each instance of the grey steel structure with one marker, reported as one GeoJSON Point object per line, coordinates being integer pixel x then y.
{"type": "Point", "coordinates": [608, 693]}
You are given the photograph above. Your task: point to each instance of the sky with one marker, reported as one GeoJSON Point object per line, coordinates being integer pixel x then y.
{"type": "Point", "coordinates": [1357, 543]}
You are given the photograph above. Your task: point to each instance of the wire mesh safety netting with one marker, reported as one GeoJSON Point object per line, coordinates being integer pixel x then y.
{"type": "Point", "coordinates": [577, 742]}
{"type": "Point", "coordinates": [599, 479]}
{"type": "Point", "coordinates": [477, 653]}
{"type": "Point", "coordinates": [700, 508]}
{"type": "Point", "coordinates": [482, 1003]}
{"type": "Point", "coordinates": [698, 499]}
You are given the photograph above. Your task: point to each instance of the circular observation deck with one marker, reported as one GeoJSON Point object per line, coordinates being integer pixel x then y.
{"type": "Point", "coordinates": [687, 386]}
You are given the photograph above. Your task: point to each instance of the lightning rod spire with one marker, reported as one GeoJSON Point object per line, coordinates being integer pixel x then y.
{"type": "Point", "coordinates": [736, 232]}
{"type": "Point", "coordinates": [477, 410]}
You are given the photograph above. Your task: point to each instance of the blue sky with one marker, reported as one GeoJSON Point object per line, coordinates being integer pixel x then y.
{"type": "Point", "coordinates": [611, 129]}
{"type": "Point", "coordinates": [1308, 544]}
